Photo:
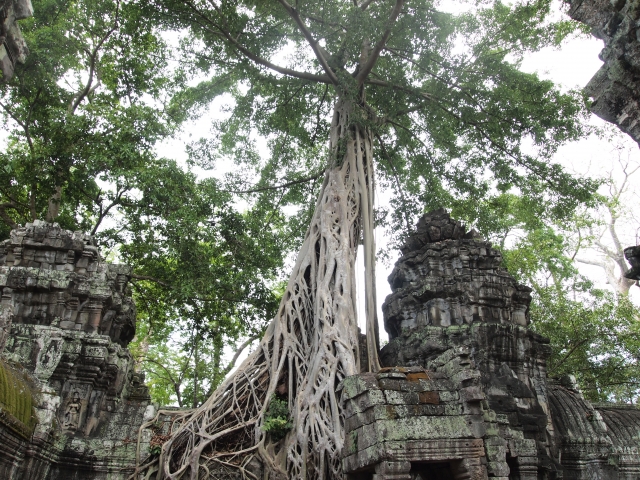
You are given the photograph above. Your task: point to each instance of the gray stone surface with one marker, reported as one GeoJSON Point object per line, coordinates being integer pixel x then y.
{"type": "Point", "coordinates": [449, 277]}
{"type": "Point", "coordinates": [66, 318]}
{"type": "Point", "coordinates": [615, 88]}
{"type": "Point", "coordinates": [13, 48]}
{"type": "Point", "coordinates": [464, 394]}
{"type": "Point", "coordinates": [632, 254]}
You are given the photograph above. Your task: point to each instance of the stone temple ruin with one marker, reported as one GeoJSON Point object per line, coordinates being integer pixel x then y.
{"type": "Point", "coordinates": [615, 88]}
{"type": "Point", "coordinates": [463, 395]}
{"type": "Point", "coordinates": [13, 48]}
{"type": "Point", "coordinates": [71, 403]}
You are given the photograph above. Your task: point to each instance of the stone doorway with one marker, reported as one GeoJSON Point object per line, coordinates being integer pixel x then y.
{"type": "Point", "coordinates": [431, 471]}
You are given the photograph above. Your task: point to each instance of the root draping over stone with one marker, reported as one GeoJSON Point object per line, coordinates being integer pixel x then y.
{"type": "Point", "coordinates": [307, 349]}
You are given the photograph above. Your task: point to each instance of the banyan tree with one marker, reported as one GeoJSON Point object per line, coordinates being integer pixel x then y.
{"type": "Point", "coordinates": [431, 101]}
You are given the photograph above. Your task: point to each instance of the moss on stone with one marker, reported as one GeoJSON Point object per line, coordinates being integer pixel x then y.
{"type": "Point", "coordinates": [16, 401]}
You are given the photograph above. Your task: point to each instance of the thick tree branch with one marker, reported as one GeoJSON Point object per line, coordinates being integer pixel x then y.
{"type": "Point", "coordinates": [105, 212]}
{"type": "Point", "coordinates": [366, 4]}
{"type": "Point", "coordinates": [597, 263]}
{"type": "Point", "coordinates": [256, 58]}
{"type": "Point", "coordinates": [312, 41]}
{"type": "Point", "coordinates": [606, 250]}
{"type": "Point", "coordinates": [399, 113]}
{"type": "Point", "coordinates": [5, 216]}
{"type": "Point", "coordinates": [322, 21]}
{"type": "Point", "coordinates": [239, 351]}
{"type": "Point", "coordinates": [570, 352]}
{"type": "Point", "coordinates": [93, 58]}
{"type": "Point", "coordinates": [176, 385]}
{"type": "Point", "coordinates": [13, 115]}
{"type": "Point", "coordinates": [578, 245]}
{"type": "Point", "coordinates": [53, 207]}
{"type": "Point", "coordinates": [318, 110]}
{"type": "Point", "coordinates": [32, 202]}
{"type": "Point", "coordinates": [365, 69]}
{"type": "Point", "coordinates": [620, 284]}
{"type": "Point", "coordinates": [151, 279]}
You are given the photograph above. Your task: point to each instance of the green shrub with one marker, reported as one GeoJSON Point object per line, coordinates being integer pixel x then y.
{"type": "Point", "coordinates": [276, 421]}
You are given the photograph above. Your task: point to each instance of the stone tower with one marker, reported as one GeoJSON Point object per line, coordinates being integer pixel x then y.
{"type": "Point", "coordinates": [464, 393]}
{"type": "Point", "coordinates": [66, 319]}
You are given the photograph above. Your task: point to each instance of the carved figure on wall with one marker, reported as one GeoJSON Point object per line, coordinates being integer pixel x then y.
{"type": "Point", "coordinates": [48, 358]}
{"type": "Point", "coordinates": [50, 354]}
{"type": "Point", "coordinates": [72, 414]}
{"type": "Point", "coordinates": [53, 298]}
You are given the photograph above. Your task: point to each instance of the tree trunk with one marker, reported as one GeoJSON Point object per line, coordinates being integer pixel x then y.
{"type": "Point", "coordinates": [54, 205]}
{"type": "Point", "coordinates": [308, 348]}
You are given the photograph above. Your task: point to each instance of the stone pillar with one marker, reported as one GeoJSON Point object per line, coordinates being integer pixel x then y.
{"type": "Point", "coordinates": [84, 261]}
{"type": "Point", "coordinates": [71, 259]}
{"type": "Point", "coordinates": [94, 309]}
{"type": "Point", "coordinates": [390, 470]}
{"type": "Point", "coordinates": [528, 467]}
{"type": "Point", "coordinates": [496, 454]}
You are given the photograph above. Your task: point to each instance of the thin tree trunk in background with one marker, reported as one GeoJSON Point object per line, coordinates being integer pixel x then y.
{"type": "Point", "coordinates": [54, 205]}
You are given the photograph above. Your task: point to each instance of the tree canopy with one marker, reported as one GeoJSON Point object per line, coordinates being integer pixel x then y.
{"type": "Point", "coordinates": [80, 129]}
{"type": "Point", "coordinates": [454, 120]}
{"type": "Point", "coordinates": [84, 117]}
{"type": "Point", "coordinates": [432, 100]}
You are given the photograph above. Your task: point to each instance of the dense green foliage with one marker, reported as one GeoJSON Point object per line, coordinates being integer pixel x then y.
{"type": "Point", "coordinates": [85, 114]}
{"type": "Point", "coordinates": [454, 119]}
{"type": "Point", "coordinates": [455, 122]}
{"type": "Point", "coordinates": [206, 280]}
{"type": "Point", "coordinates": [593, 332]}
{"type": "Point", "coordinates": [80, 129]}
{"type": "Point", "coordinates": [595, 335]}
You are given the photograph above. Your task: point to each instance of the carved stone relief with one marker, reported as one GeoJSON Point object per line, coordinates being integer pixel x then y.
{"type": "Point", "coordinates": [67, 318]}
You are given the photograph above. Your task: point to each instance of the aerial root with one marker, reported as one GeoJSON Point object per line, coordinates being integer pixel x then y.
{"type": "Point", "coordinates": [309, 347]}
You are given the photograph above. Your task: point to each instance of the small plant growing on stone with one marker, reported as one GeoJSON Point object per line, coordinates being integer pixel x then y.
{"type": "Point", "coordinates": [155, 449]}
{"type": "Point", "coordinates": [276, 421]}
{"type": "Point", "coordinates": [155, 445]}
